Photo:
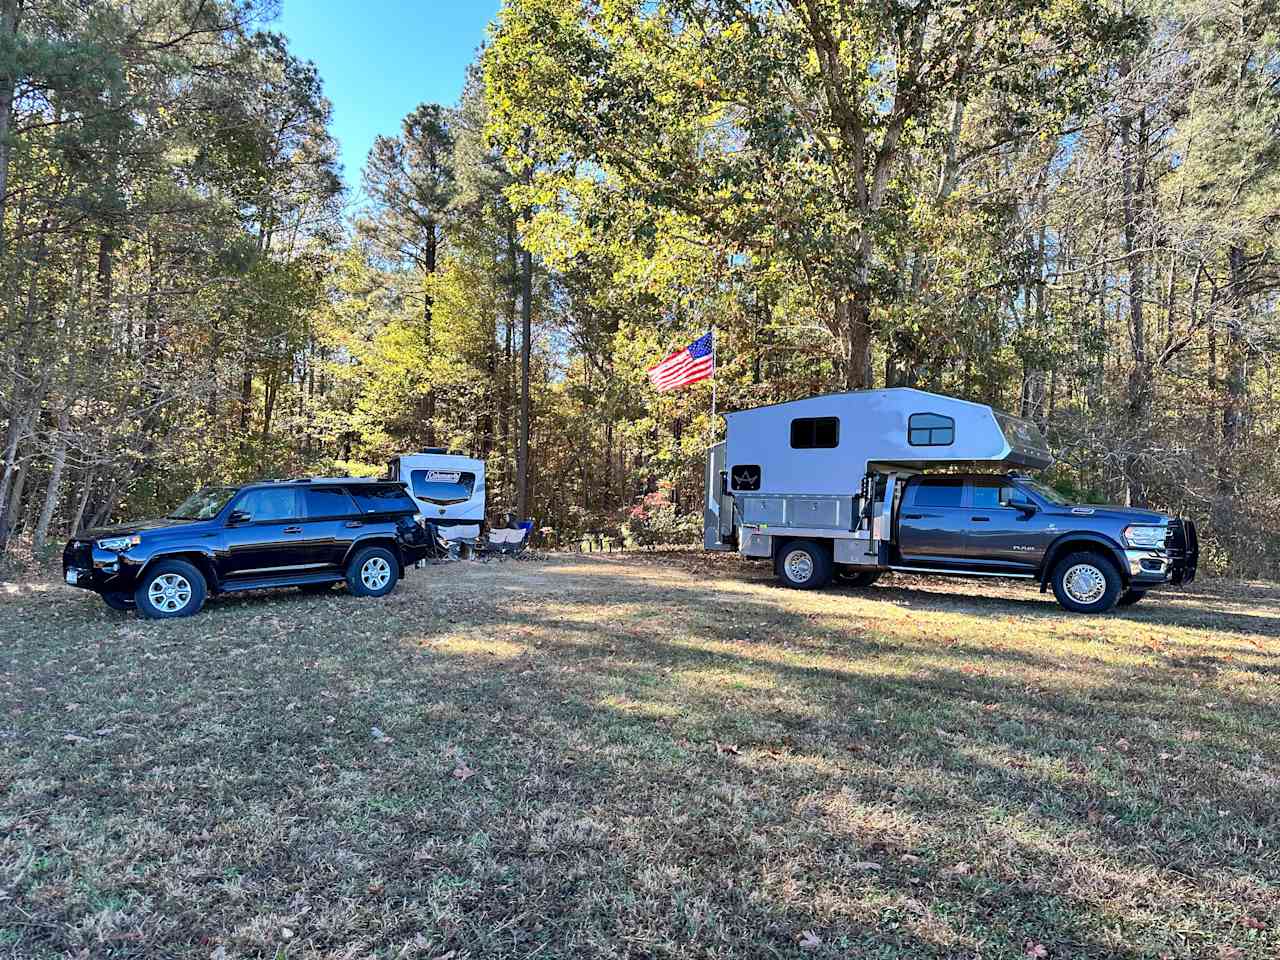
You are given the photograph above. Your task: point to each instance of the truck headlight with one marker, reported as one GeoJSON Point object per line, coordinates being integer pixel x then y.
{"type": "Point", "coordinates": [119, 544]}
{"type": "Point", "coordinates": [1148, 537]}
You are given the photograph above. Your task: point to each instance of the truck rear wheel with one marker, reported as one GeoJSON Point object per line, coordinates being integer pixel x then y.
{"type": "Point", "coordinates": [804, 565]}
{"type": "Point", "coordinates": [1087, 583]}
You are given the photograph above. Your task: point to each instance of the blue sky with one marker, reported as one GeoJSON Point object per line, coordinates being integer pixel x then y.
{"type": "Point", "coordinates": [380, 58]}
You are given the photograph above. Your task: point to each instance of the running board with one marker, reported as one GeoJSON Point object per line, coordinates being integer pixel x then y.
{"type": "Point", "coordinates": [964, 573]}
{"type": "Point", "coordinates": [268, 583]}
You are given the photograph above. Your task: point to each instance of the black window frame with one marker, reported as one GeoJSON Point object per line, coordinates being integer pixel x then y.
{"type": "Point", "coordinates": [812, 425]}
{"type": "Point", "coordinates": [912, 430]}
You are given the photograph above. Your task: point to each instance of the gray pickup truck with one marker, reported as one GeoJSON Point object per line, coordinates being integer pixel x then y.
{"type": "Point", "coordinates": [1093, 557]}
{"type": "Point", "coordinates": [840, 486]}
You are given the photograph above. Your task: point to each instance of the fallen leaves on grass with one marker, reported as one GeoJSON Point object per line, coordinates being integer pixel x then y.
{"type": "Point", "coordinates": [810, 940]}
{"type": "Point", "coordinates": [1034, 949]}
{"type": "Point", "coordinates": [462, 773]}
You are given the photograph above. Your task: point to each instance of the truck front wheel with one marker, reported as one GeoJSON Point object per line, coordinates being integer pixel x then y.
{"type": "Point", "coordinates": [1087, 583]}
{"type": "Point", "coordinates": [804, 565]}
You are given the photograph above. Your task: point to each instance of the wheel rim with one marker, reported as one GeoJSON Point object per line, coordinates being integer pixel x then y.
{"type": "Point", "coordinates": [1084, 583]}
{"type": "Point", "coordinates": [799, 566]}
{"type": "Point", "coordinates": [170, 592]}
{"type": "Point", "coordinates": [375, 573]}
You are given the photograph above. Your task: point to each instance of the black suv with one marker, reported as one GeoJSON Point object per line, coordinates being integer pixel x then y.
{"type": "Point", "coordinates": [306, 533]}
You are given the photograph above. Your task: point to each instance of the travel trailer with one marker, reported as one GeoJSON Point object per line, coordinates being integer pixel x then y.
{"type": "Point", "coordinates": [837, 485]}
{"type": "Point", "coordinates": [447, 487]}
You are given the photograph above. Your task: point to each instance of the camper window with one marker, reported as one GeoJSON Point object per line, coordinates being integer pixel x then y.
{"type": "Point", "coordinates": [931, 430]}
{"type": "Point", "coordinates": [812, 433]}
{"type": "Point", "coordinates": [443, 486]}
{"type": "Point", "coordinates": [745, 476]}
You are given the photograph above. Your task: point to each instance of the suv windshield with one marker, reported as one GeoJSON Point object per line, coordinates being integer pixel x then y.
{"type": "Point", "coordinates": [1047, 493]}
{"type": "Point", "coordinates": [203, 504]}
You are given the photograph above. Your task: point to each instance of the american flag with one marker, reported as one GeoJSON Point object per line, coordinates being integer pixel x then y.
{"type": "Point", "coordinates": [695, 362]}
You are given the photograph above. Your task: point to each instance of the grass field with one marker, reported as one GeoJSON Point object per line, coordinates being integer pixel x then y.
{"type": "Point", "coordinates": [658, 756]}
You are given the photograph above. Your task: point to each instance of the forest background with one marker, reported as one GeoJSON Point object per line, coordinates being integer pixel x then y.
{"type": "Point", "coordinates": [1065, 208]}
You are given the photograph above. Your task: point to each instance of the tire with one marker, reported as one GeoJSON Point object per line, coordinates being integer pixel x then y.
{"type": "Point", "coordinates": [170, 589]}
{"type": "Point", "coordinates": [804, 565]}
{"type": "Point", "coordinates": [860, 578]}
{"type": "Point", "coordinates": [1130, 597]}
{"type": "Point", "coordinates": [1087, 583]}
{"type": "Point", "coordinates": [118, 601]}
{"type": "Point", "coordinates": [373, 572]}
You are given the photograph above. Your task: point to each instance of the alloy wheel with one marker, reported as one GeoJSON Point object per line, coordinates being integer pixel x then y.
{"type": "Point", "coordinates": [169, 592]}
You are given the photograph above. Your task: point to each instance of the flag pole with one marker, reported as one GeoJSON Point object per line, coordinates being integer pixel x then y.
{"type": "Point", "coordinates": [715, 363]}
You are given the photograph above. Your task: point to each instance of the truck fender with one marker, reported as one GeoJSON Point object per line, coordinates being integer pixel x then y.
{"type": "Point", "coordinates": [1071, 541]}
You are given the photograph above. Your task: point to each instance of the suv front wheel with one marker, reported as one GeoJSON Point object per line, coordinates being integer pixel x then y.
{"type": "Point", "coordinates": [373, 572]}
{"type": "Point", "coordinates": [1087, 583]}
{"type": "Point", "coordinates": [171, 588]}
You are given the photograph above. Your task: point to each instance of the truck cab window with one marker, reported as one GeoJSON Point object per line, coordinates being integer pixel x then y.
{"type": "Point", "coordinates": [939, 493]}
{"type": "Point", "coordinates": [930, 430]}
{"type": "Point", "coordinates": [815, 433]}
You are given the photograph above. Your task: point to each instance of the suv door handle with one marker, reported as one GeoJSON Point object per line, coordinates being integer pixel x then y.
{"type": "Point", "coordinates": [913, 516]}
{"type": "Point", "coordinates": [981, 519]}
{"type": "Point", "coordinates": [352, 524]}
{"type": "Point", "coordinates": [292, 529]}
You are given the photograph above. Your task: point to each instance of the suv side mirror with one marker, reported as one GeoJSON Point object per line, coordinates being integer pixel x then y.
{"type": "Point", "coordinates": [238, 517]}
{"type": "Point", "coordinates": [1026, 509]}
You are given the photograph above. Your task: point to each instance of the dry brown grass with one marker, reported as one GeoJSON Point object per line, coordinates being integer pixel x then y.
{"type": "Point", "coordinates": [655, 756]}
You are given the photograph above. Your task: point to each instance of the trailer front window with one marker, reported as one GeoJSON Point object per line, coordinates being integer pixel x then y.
{"type": "Point", "coordinates": [930, 430]}
{"type": "Point", "coordinates": [815, 433]}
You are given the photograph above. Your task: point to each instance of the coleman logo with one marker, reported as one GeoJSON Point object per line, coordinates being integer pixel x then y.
{"type": "Point", "coordinates": [443, 476]}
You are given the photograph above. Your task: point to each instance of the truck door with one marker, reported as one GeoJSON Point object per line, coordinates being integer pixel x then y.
{"type": "Point", "coordinates": [933, 521]}
{"type": "Point", "coordinates": [999, 533]}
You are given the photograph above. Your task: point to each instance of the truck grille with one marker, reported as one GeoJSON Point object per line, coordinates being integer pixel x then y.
{"type": "Point", "coordinates": [1183, 546]}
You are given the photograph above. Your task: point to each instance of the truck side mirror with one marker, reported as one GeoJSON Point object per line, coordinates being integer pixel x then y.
{"type": "Point", "coordinates": [1026, 509]}
{"type": "Point", "coordinates": [238, 517]}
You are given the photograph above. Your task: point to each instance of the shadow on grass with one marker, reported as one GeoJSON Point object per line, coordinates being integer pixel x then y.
{"type": "Point", "coordinates": [644, 781]}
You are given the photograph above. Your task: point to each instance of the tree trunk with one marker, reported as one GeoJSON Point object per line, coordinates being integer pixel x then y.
{"type": "Point", "coordinates": [1138, 389]}
{"type": "Point", "coordinates": [526, 323]}
{"type": "Point", "coordinates": [10, 11]}
{"type": "Point", "coordinates": [1233, 411]}
{"type": "Point", "coordinates": [854, 321]}
{"type": "Point", "coordinates": [52, 493]}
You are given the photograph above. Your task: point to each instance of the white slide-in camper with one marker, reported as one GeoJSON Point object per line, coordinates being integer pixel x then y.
{"type": "Point", "coordinates": [448, 488]}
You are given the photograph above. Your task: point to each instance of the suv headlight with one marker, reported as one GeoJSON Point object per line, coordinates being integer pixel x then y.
{"type": "Point", "coordinates": [119, 544]}
{"type": "Point", "coordinates": [1149, 537]}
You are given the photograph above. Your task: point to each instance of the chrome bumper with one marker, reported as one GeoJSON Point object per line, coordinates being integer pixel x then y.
{"type": "Point", "coordinates": [1151, 565]}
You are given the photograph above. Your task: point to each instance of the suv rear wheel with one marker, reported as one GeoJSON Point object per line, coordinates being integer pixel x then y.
{"type": "Point", "coordinates": [1087, 583]}
{"type": "Point", "coordinates": [373, 572]}
{"type": "Point", "coordinates": [804, 565]}
{"type": "Point", "coordinates": [171, 588]}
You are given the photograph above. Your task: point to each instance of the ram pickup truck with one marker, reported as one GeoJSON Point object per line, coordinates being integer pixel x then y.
{"type": "Point", "coordinates": [311, 534]}
{"type": "Point", "coordinates": [1093, 557]}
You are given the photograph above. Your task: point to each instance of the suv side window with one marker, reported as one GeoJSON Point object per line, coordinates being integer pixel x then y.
{"type": "Point", "coordinates": [382, 498]}
{"type": "Point", "coordinates": [328, 502]}
{"type": "Point", "coordinates": [939, 493]}
{"type": "Point", "coordinates": [272, 503]}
